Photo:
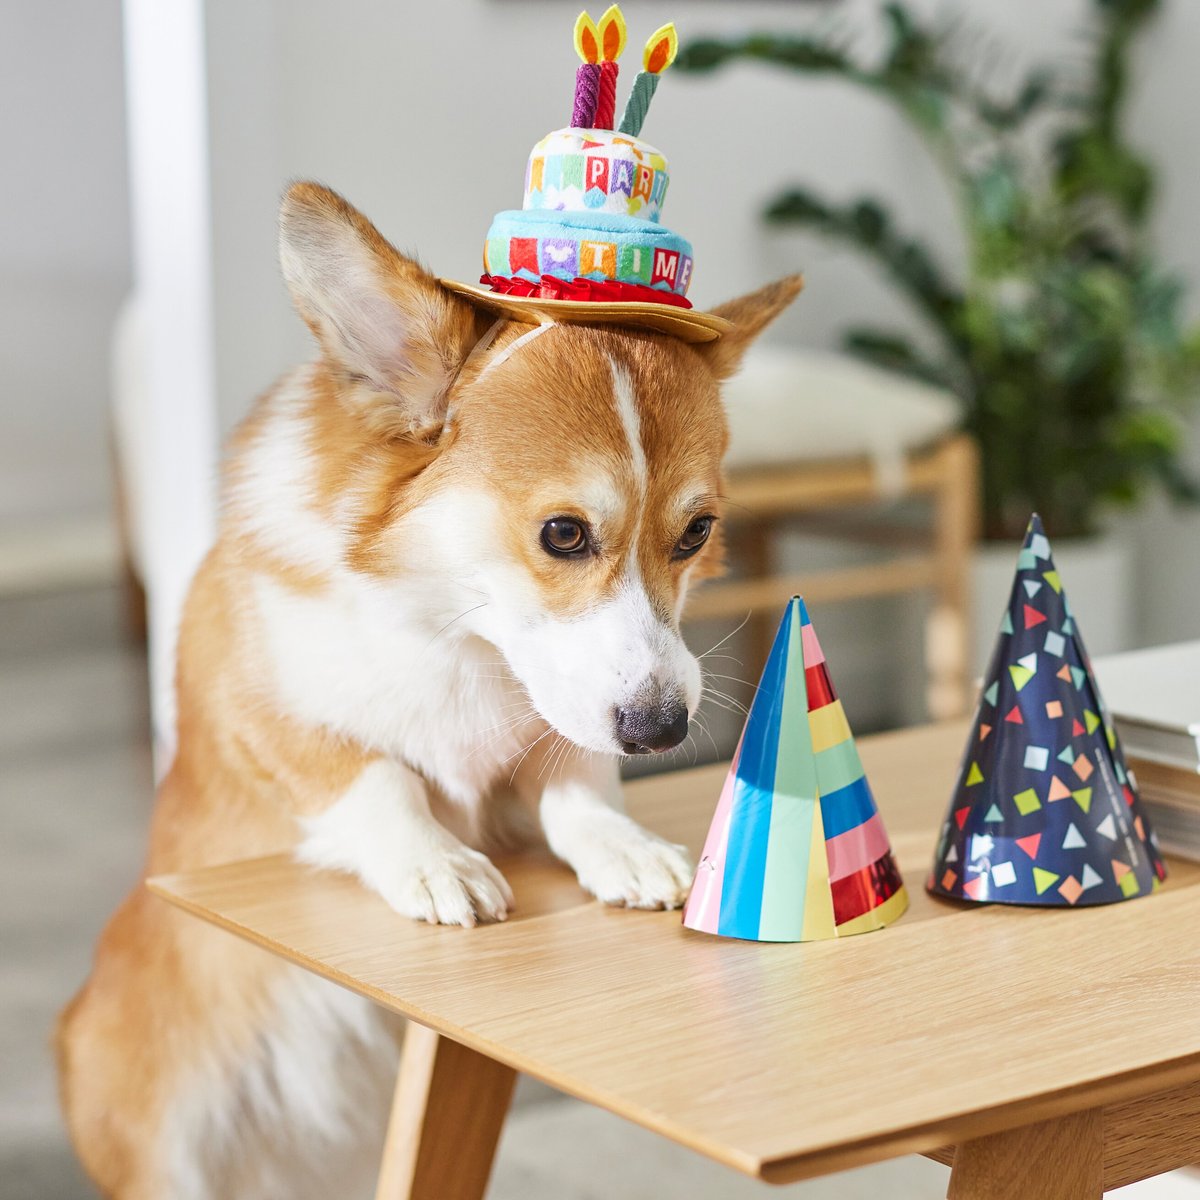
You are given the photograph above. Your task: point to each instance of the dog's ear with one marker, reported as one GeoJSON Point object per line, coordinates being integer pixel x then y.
{"type": "Point", "coordinates": [749, 315]}
{"type": "Point", "coordinates": [376, 314]}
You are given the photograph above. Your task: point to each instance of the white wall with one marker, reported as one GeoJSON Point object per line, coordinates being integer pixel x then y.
{"type": "Point", "coordinates": [345, 93]}
{"type": "Point", "coordinates": [1168, 92]}
{"type": "Point", "coordinates": [423, 114]}
{"type": "Point", "coordinates": [64, 253]}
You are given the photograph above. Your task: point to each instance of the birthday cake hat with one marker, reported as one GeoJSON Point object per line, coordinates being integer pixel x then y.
{"type": "Point", "coordinates": [1044, 810]}
{"type": "Point", "coordinates": [797, 850]}
{"type": "Point", "coordinates": [588, 245]}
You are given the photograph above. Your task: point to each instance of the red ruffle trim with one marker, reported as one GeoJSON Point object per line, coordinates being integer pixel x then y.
{"type": "Point", "coordinates": [551, 288]}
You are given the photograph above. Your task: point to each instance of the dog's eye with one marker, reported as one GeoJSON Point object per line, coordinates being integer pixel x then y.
{"type": "Point", "coordinates": [694, 536]}
{"type": "Point", "coordinates": [565, 537]}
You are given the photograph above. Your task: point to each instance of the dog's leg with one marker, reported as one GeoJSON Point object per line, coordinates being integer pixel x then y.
{"type": "Point", "coordinates": [615, 859]}
{"type": "Point", "coordinates": [381, 829]}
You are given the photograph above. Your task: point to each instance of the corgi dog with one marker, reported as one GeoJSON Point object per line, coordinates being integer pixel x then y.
{"type": "Point", "coordinates": [451, 563]}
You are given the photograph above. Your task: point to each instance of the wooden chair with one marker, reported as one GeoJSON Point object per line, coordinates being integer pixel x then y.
{"type": "Point", "coordinates": [817, 436]}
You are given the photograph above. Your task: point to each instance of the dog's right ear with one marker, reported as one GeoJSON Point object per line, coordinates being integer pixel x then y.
{"type": "Point", "coordinates": [749, 315]}
{"type": "Point", "coordinates": [376, 314]}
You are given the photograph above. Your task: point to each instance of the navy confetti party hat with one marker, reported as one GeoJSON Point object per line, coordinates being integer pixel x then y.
{"type": "Point", "coordinates": [1044, 810]}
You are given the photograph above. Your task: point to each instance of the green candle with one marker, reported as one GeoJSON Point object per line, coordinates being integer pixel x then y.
{"type": "Point", "coordinates": [638, 103]}
{"type": "Point", "coordinates": [658, 55]}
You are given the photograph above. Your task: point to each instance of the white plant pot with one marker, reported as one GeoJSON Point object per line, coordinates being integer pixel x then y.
{"type": "Point", "coordinates": [1097, 575]}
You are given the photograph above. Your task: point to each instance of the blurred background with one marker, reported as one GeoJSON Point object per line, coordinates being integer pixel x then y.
{"type": "Point", "coordinates": [993, 204]}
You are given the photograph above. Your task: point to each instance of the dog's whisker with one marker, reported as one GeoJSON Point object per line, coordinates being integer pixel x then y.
{"type": "Point", "coordinates": [731, 633]}
{"type": "Point", "coordinates": [552, 759]}
{"type": "Point", "coordinates": [523, 702]}
{"type": "Point", "coordinates": [533, 667]}
{"type": "Point", "coordinates": [731, 678]}
{"type": "Point", "coordinates": [464, 613]}
{"type": "Point", "coordinates": [689, 740]}
{"type": "Point", "coordinates": [726, 702]}
{"type": "Point", "coordinates": [549, 730]}
{"type": "Point", "coordinates": [711, 689]}
{"type": "Point", "coordinates": [503, 727]}
{"type": "Point", "coordinates": [731, 657]}
{"type": "Point", "coordinates": [705, 730]}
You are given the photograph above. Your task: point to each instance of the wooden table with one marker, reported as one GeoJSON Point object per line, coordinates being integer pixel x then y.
{"type": "Point", "coordinates": [1044, 1053]}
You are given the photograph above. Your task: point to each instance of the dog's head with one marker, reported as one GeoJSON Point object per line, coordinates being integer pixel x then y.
{"type": "Point", "coordinates": [552, 490]}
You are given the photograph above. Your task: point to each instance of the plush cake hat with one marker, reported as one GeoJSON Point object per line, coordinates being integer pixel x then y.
{"type": "Point", "coordinates": [588, 245]}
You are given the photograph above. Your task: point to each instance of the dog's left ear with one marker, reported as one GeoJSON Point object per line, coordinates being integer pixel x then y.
{"type": "Point", "coordinates": [376, 314]}
{"type": "Point", "coordinates": [749, 315]}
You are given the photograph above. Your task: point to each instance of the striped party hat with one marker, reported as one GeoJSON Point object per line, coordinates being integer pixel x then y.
{"type": "Point", "coordinates": [797, 851]}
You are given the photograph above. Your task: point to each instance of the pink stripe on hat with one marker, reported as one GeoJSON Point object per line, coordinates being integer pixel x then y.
{"type": "Point", "coordinates": [856, 848]}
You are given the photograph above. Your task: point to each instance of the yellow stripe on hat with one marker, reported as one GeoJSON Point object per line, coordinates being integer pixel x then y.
{"type": "Point", "coordinates": [829, 726]}
{"type": "Point", "coordinates": [818, 897]}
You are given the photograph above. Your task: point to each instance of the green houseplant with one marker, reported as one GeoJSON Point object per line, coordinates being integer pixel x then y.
{"type": "Point", "coordinates": [1065, 339]}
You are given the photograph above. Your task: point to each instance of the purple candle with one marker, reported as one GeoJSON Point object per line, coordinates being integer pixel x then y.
{"type": "Point", "coordinates": [587, 78]}
{"type": "Point", "coordinates": [587, 91]}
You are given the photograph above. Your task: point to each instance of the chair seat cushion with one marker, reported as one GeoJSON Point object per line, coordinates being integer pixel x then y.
{"type": "Point", "coordinates": [790, 406]}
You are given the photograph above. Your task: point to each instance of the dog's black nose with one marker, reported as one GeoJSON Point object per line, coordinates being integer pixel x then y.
{"type": "Point", "coordinates": [645, 730]}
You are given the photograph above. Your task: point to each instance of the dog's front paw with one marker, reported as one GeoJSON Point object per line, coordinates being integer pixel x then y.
{"type": "Point", "coordinates": [619, 862]}
{"type": "Point", "coordinates": [448, 884]}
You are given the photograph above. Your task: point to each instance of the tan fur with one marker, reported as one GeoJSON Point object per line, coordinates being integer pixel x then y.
{"type": "Point", "coordinates": [173, 1008]}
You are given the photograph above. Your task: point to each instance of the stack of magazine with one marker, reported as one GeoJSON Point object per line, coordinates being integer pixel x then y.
{"type": "Point", "coordinates": [1154, 698]}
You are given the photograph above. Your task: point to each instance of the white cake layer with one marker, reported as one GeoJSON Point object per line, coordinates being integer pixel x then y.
{"type": "Point", "coordinates": [597, 170]}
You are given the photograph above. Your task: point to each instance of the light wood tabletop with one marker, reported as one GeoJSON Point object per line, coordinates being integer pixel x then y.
{"type": "Point", "coordinates": [994, 1029]}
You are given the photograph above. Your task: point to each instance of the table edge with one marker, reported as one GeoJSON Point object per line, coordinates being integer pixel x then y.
{"type": "Point", "coordinates": [787, 1168]}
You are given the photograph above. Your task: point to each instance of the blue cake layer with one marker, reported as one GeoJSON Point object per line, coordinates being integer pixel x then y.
{"type": "Point", "coordinates": [530, 243]}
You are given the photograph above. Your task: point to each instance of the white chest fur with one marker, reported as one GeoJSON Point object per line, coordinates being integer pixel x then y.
{"type": "Point", "coordinates": [390, 671]}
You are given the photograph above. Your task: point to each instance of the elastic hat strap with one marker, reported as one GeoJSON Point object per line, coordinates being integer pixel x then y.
{"type": "Point", "coordinates": [482, 346]}
{"type": "Point", "coordinates": [515, 345]}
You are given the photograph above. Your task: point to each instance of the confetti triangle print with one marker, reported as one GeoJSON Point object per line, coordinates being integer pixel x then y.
{"type": "Point", "coordinates": [1012, 787]}
{"type": "Point", "coordinates": [797, 850]}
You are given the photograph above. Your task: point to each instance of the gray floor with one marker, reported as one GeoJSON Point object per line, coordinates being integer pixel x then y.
{"type": "Point", "coordinates": [75, 789]}
{"type": "Point", "coordinates": [75, 786]}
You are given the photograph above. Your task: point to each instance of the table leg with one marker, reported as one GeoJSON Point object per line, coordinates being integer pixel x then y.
{"type": "Point", "coordinates": [447, 1114]}
{"type": "Point", "coordinates": [1061, 1159]}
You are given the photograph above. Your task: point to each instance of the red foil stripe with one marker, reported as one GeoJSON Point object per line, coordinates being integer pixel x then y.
{"type": "Point", "coordinates": [864, 890]}
{"type": "Point", "coordinates": [819, 685]}
{"type": "Point", "coordinates": [549, 287]}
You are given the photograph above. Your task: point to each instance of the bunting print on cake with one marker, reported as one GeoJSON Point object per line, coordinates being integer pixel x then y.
{"type": "Point", "coordinates": [1044, 810]}
{"type": "Point", "coordinates": [797, 850]}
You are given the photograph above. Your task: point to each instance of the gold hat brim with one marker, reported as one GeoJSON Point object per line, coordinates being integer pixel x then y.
{"type": "Point", "coordinates": [687, 324]}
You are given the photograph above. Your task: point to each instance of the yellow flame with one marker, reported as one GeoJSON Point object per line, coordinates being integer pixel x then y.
{"type": "Point", "coordinates": [587, 38]}
{"type": "Point", "coordinates": [661, 48]}
{"type": "Point", "coordinates": [612, 34]}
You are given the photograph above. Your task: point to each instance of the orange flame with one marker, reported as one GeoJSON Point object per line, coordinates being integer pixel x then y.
{"type": "Point", "coordinates": [612, 33]}
{"type": "Point", "coordinates": [587, 38]}
{"type": "Point", "coordinates": [660, 51]}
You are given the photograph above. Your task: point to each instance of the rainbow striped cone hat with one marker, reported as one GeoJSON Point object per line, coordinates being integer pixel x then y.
{"type": "Point", "coordinates": [797, 851]}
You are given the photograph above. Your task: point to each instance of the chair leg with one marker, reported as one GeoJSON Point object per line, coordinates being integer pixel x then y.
{"type": "Point", "coordinates": [948, 629]}
{"type": "Point", "coordinates": [757, 555]}
{"type": "Point", "coordinates": [1052, 1160]}
{"type": "Point", "coordinates": [447, 1115]}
